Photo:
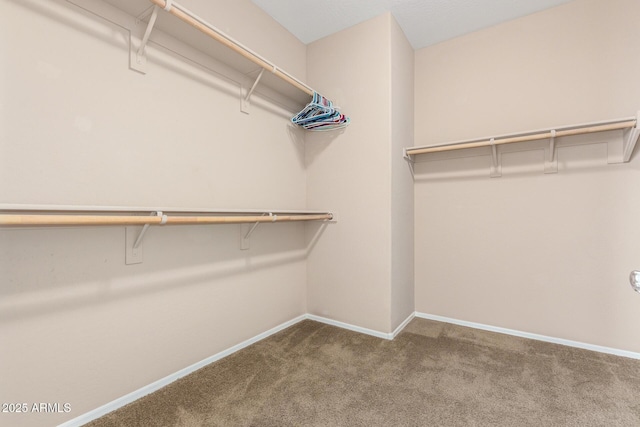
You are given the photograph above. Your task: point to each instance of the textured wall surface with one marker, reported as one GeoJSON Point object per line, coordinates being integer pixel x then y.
{"type": "Point", "coordinates": [542, 253]}
{"type": "Point", "coordinates": [77, 325]}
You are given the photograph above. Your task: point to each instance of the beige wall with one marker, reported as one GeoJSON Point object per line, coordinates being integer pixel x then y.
{"type": "Point", "coordinates": [571, 64]}
{"type": "Point", "coordinates": [77, 325]}
{"type": "Point", "coordinates": [349, 268]}
{"type": "Point", "coordinates": [354, 275]}
{"type": "Point", "coordinates": [402, 106]}
{"type": "Point", "coordinates": [547, 254]}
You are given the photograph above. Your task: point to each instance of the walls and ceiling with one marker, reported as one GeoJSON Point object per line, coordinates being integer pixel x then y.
{"type": "Point", "coordinates": [542, 253]}
{"type": "Point", "coordinates": [424, 23]}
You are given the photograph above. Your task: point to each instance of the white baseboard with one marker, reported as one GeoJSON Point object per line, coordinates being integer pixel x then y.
{"type": "Point", "coordinates": [141, 392]}
{"type": "Point", "coordinates": [125, 400]}
{"type": "Point", "coordinates": [402, 325]}
{"type": "Point", "coordinates": [350, 327]}
{"type": "Point", "coordinates": [577, 344]}
{"type": "Point", "coordinates": [360, 329]}
{"type": "Point", "coordinates": [131, 397]}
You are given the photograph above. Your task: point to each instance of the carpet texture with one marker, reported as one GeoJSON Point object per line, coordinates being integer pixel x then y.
{"type": "Point", "coordinates": [432, 374]}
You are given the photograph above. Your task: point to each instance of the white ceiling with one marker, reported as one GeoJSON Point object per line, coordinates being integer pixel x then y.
{"type": "Point", "coordinates": [424, 22]}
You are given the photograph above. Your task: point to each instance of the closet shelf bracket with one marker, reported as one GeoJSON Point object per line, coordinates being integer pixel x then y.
{"type": "Point", "coordinates": [551, 157]}
{"type": "Point", "coordinates": [133, 251]}
{"type": "Point", "coordinates": [410, 161]}
{"type": "Point", "coordinates": [406, 155]}
{"type": "Point", "coordinates": [138, 57]}
{"type": "Point", "coordinates": [163, 221]}
{"type": "Point", "coordinates": [496, 161]}
{"type": "Point", "coordinates": [138, 241]}
{"type": "Point", "coordinates": [246, 234]}
{"type": "Point", "coordinates": [245, 101]}
{"type": "Point", "coordinates": [630, 140]}
{"type": "Point", "coordinates": [144, 15]}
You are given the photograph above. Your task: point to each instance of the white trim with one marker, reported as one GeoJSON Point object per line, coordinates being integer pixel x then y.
{"type": "Point", "coordinates": [141, 392]}
{"type": "Point", "coordinates": [343, 325]}
{"type": "Point", "coordinates": [366, 331]}
{"type": "Point", "coordinates": [403, 324]}
{"type": "Point", "coordinates": [135, 395]}
{"type": "Point", "coordinates": [569, 343]}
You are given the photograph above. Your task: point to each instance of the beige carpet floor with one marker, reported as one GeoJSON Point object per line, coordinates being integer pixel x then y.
{"type": "Point", "coordinates": [432, 374]}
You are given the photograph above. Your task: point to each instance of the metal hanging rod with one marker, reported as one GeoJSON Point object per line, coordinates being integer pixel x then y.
{"type": "Point", "coordinates": [626, 123]}
{"type": "Point", "coordinates": [61, 218]}
{"type": "Point", "coordinates": [200, 24]}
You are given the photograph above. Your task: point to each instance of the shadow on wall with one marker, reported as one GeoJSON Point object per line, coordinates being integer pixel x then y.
{"type": "Point", "coordinates": [317, 142]}
{"type": "Point", "coordinates": [72, 18]}
{"type": "Point", "coordinates": [51, 270]}
{"type": "Point", "coordinates": [196, 66]}
{"type": "Point", "coordinates": [297, 137]}
{"type": "Point", "coordinates": [220, 77]}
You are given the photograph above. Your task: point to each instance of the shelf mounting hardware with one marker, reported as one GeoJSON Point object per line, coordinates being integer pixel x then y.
{"type": "Point", "coordinates": [144, 15]}
{"type": "Point", "coordinates": [244, 234]}
{"type": "Point", "coordinates": [133, 248]}
{"type": "Point", "coordinates": [496, 166]}
{"type": "Point", "coordinates": [551, 158]}
{"type": "Point", "coordinates": [245, 101]}
{"type": "Point", "coordinates": [146, 227]}
{"type": "Point", "coordinates": [138, 58]}
{"type": "Point", "coordinates": [410, 161]}
{"type": "Point", "coordinates": [630, 140]}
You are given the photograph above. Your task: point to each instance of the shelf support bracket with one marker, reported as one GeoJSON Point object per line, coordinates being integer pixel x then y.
{"type": "Point", "coordinates": [133, 248]}
{"type": "Point", "coordinates": [144, 15]}
{"type": "Point", "coordinates": [630, 140]}
{"type": "Point", "coordinates": [245, 102]}
{"type": "Point", "coordinates": [138, 241]}
{"type": "Point", "coordinates": [163, 221]}
{"type": "Point", "coordinates": [245, 235]}
{"type": "Point", "coordinates": [496, 165]}
{"type": "Point", "coordinates": [137, 57]}
{"type": "Point", "coordinates": [410, 161]}
{"type": "Point", "coordinates": [551, 157]}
